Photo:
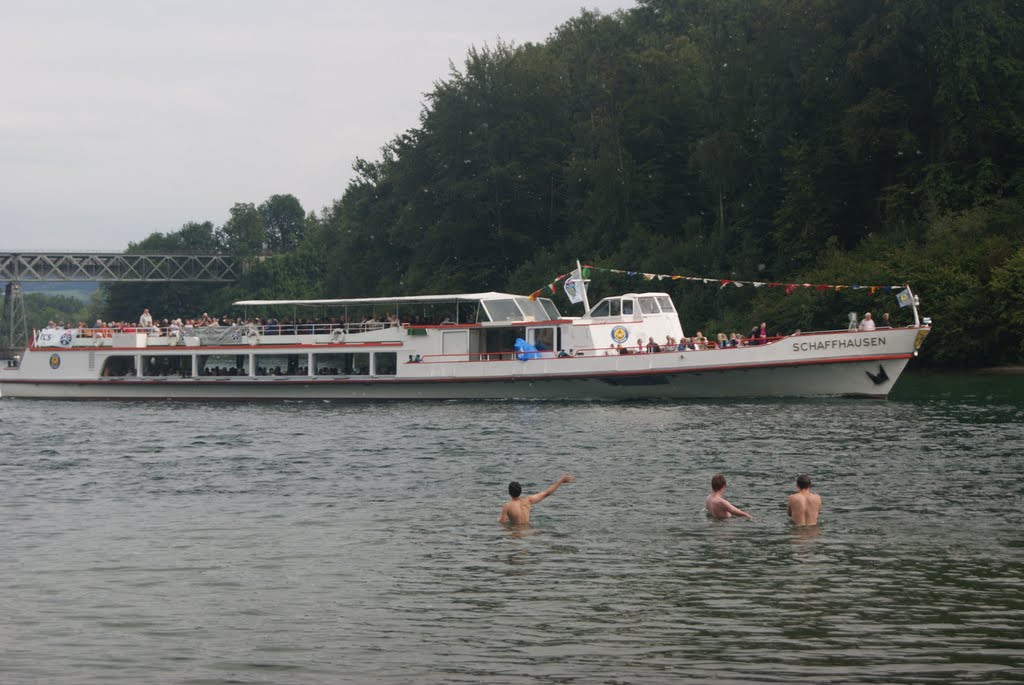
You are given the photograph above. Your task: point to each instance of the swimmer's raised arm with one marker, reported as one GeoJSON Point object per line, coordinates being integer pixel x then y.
{"type": "Point", "coordinates": [736, 511]}
{"type": "Point", "coordinates": [566, 478]}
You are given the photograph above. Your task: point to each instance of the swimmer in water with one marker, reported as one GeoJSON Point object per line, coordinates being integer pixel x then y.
{"type": "Point", "coordinates": [804, 505]}
{"type": "Point", "coordinates": [517, 510]}
{"type": "Point", "coordinates": [718, 507]}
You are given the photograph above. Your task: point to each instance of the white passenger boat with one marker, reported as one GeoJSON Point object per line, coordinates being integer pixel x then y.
{"type": "Point", "coordinates": [492, 346]}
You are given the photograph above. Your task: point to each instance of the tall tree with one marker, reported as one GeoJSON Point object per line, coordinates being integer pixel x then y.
{"type": "Point", "coordinates": [283, 221]}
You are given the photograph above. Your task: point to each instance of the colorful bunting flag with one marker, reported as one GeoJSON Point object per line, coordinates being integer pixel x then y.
{"type": "Point", "coordinates": [904, 297]}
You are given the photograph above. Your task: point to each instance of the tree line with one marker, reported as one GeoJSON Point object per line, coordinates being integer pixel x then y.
{"type": "Point", "coordinates": [876, 142]}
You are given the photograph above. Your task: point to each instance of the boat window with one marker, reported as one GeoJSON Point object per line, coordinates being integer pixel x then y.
{"type": "Point", "coordinates": [224, 365]}
{"type": "Point", "coordinates": [550, 309]}
{"type": "Point", "coordinates": [503, 310]}
{"type": "Point", "coordinates": [177, 365]}
{"type": "Point", "coordinates": [543, 339]}
{"type": "Point", "coordinates": [602, 308]}
{"type": "Point", "coordinates": [532, 308]}
{"type": "Point", "coordinates": [616, 307]}
{"type": "Point", "coordinates": [627, 307]}
{"type": "Point", "coordinates": [470, 312]}
{"type": "Point", "coordinates": [385, 363]}
{"type": "Point", "coordinates": [666, 304]}
{"type": "Point", "coordinates": [341, 364]}
{"type": "Point", "coordinates": [119, 365]}
{"type": "Point", "coordinates": [281, 365]}
{"type": "Point", "coordinates": [649, 306]}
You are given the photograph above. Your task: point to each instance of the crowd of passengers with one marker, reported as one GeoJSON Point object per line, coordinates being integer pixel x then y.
{"type": "Point", "coordinates": [758, 336]}
{"type": "Point", "coordinates": [271, 326]}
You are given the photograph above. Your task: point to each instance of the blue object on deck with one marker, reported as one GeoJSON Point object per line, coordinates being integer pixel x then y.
{"type": "Point", "coordinates": [525, 350]}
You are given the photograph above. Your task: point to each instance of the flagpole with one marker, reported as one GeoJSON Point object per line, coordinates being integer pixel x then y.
{"type": "Point", "coordinates": [913, 304]}
{"type": "Point", "coordinates": [583, 286]}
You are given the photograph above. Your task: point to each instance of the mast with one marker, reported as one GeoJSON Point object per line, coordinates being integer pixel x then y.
{"type": "Point", "coordinates": [583, 287]}
{"type": "Point", "coordinates": [913, 303]}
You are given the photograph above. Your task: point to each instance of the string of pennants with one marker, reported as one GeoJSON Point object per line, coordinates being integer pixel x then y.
{"type": "Point", "coordinates": [790, 288]}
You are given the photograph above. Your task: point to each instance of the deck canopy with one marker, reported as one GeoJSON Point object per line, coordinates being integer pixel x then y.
{"type": "Point", "coordinates": [497, 306]}
{"type": "Point", "coordinates": [407, 299]}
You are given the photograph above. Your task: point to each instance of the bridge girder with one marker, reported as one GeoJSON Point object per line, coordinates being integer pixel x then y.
{"type": "Point", "coordinates": [111, 267]}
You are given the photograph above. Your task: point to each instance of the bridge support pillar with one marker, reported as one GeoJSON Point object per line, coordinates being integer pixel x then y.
{"type": "Point", "coordinates": [13, 331]}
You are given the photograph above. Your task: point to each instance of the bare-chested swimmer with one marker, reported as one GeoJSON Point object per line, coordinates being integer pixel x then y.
{"type": "Point", "coordinates": [517, 510]}
{"type": "Point", "coordinates": [804, 505]}
{"type": "Point", "coordinates": [718, 507]}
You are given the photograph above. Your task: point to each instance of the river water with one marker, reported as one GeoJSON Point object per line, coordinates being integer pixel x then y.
{"type": "Point", "coordinates": [315, 542]}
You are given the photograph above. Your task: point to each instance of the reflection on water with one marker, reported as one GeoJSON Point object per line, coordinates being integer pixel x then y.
{"type": "Point", "coordinates": [322, 543]}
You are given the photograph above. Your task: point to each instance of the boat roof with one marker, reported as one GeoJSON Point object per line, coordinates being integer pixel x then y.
{"type": "Point", "coordinates": [408, 299]}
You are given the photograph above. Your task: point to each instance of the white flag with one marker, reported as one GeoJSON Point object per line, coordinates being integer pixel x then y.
{"type": "Point", "coordinates": [904, 297]}
{"type": "Point", "coordinates": [574, 286]}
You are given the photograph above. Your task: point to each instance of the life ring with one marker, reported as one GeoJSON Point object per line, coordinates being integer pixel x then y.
{"type": "Point", "coordinates": [338, 334]}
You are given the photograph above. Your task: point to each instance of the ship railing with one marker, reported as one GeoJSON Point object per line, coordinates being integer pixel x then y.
{"type": "Point", "coordinates": [235, 334]}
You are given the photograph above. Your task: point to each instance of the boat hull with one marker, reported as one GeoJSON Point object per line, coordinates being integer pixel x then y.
{"type": "Point", "coordinates": [847, 378]}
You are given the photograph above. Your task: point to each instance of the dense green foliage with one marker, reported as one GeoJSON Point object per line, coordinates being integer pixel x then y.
{"type": "Point", "coordinates": [827, 141]}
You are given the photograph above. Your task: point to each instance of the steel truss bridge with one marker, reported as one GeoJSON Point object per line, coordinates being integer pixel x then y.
{"type": "Point", "coordinates": [99, 267]}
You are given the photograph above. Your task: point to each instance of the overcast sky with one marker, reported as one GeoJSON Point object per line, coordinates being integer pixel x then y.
{"type": "Point", "coordinates": [119, 118]}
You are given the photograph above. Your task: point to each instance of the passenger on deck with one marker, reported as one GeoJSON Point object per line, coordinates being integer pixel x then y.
{"type": "Point", "coordinates": [867, 323]}
{"type": "Point", "coordinates": [146, 320]}
{"type": "Point", "coordinates": [652, 346]}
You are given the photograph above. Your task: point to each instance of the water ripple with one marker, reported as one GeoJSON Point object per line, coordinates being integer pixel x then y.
{"type": "Point", "coordinates": [323, 543]}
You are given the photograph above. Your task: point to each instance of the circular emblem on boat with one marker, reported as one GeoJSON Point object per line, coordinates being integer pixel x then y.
{"type": "Point", "coordinates": [54, 361]}
{"type": "Point", "coordinates": [620, 334]}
